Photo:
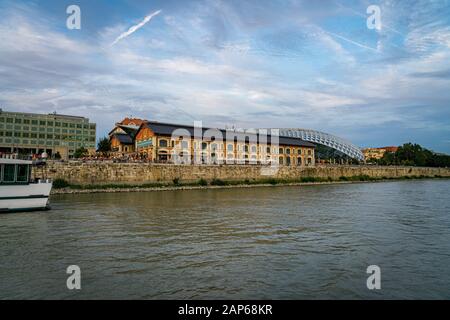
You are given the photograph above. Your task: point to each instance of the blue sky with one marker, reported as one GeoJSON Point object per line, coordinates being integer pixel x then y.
{"type": "Point", "coordinates": [306, 64]}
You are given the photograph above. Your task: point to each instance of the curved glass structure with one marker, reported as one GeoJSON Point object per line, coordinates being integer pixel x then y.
{"type": "Point", "coordinates": [326, 139]}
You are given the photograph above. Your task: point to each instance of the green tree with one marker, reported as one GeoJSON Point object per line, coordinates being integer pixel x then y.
{"type": "Point", "coordinates": [104, 145]}
{"type": "Point", "coordinates": [410, 154]}
{"type": "Point", "coordinates": [80, 152]}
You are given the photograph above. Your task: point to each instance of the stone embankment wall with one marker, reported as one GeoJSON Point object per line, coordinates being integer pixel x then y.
{"type": "Point", "coordinates": [139, 173]}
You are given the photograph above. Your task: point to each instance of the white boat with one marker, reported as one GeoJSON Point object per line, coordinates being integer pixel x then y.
{"type": "Point", "coordinates": [18, 190]}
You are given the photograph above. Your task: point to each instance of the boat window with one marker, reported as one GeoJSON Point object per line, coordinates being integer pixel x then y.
{"type": "Point", "coordinates": [22, 173]}
{"type": "Point", "coordinates": [9, 172]}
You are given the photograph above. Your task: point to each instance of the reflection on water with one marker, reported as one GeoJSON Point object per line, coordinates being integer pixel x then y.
{"type": "Point", "coordinates": [274, 243]}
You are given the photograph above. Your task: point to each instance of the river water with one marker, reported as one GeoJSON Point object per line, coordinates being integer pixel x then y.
{"type": "Point", "coordinates": [253, 243]}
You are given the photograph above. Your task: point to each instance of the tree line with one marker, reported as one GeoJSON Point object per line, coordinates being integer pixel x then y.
{"type": "Point", "coordinates": [411, 154]}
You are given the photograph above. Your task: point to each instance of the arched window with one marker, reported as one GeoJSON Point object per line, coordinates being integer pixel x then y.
{"type": "Point", "coordinates": [163, 143]}
{"type": "Point", "coordinates": [299, 161]}
{"type": "Point", "coordinates": [280, 151]}
{"type": "Point", "coordinates": [230, 147]}
{"type": "Point", "coordinates": [280, 160]}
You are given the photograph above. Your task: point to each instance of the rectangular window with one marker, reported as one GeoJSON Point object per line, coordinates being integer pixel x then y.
{"type": "Point", "coordinates": [18, 120]}
{"type": "Point", "coordinates": [35, 122]}
{"type": "Point", "coordinates": [9, 172]}
{"type": "Point", "coordinates": [9, 120]}
{"type": "Point", "coordinates": [26, 121]}
{"type": "Point", "coordinates": [50, 123]}
{"type": "Point", "coordinates": [42, 123]}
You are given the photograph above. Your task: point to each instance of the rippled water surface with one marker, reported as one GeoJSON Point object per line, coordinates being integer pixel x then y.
{"type": "Point", "coordinates": [256, 243]}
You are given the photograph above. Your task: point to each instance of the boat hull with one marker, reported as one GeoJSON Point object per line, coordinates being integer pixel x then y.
{"type": "Point", "coordinates": [27, 197]}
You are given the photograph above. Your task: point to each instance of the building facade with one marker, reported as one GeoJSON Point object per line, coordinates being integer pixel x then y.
{"type": "Point", "coordinates": [32, 133]}
{"type": "Point", "coordinates": [157, 142]}
{"type": "Point", "coordinates": [122, 137]}
{"type": "Point", "coordinates": [377, 153]}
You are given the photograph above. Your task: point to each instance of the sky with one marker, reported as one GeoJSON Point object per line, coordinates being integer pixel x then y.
{"type": "Point", "coordinates": [248, 64]}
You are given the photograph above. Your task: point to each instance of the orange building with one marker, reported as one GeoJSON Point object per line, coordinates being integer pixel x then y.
{"type": "Point", "coordinates": [377, 153]}
{"type": "Point", "coordinates": [122, 137]}
{"type": "Point", "coordinates": [160, 142]}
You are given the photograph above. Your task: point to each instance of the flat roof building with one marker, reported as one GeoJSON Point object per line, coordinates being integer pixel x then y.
{"type": "Point", "coordinates": [33, 133]}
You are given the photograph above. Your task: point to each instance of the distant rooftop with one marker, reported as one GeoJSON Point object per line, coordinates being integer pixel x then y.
{"type": "Point", "coordinates": [54, 114]}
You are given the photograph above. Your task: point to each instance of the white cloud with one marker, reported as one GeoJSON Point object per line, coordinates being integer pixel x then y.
{"type": "Point", "coordinates": [136, 27]}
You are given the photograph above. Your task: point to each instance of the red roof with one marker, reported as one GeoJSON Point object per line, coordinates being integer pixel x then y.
{"type": "Point", "coordinates": [132, 121]}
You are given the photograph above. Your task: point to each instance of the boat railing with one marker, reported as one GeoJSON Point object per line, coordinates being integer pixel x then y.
{"type": "Point", "coordinates": [39, 180]}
